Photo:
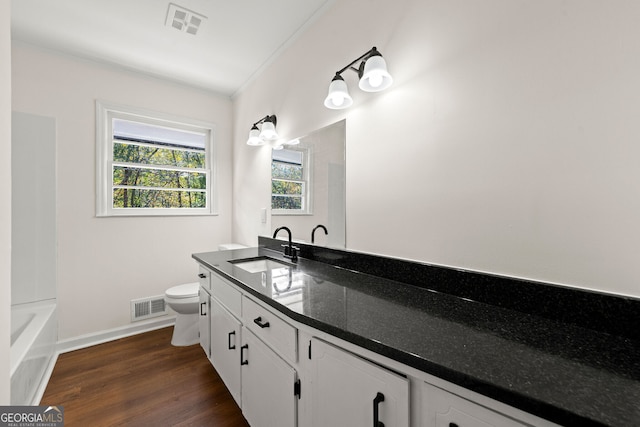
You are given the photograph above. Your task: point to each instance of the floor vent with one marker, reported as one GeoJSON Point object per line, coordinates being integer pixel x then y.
{"type": "Point", "coordinates": [146, 308]}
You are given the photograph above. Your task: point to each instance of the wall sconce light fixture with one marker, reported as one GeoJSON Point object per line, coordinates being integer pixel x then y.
{"type": "Point", "coordinates": [373, 76]}
{"type": "Point", "coordinates": [266, 133]}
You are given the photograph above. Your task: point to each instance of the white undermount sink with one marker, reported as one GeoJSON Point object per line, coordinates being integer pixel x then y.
{"type": "Point", "coordinates": [259, 264]}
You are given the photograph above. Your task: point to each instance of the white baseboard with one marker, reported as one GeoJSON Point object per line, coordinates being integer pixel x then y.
{"type": "Point", "coordinates": [89, 340]}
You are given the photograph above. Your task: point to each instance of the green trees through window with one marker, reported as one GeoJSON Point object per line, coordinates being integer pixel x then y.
{"type": "Point", "coordinates": [150, 163]}
{"type": "Point", "coordinates": [156, 167]}
{"type": "Point", "coordinates": [288, 180]}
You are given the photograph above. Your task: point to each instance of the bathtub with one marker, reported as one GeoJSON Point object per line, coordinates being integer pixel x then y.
{"type": "Point", "coordinates": [33, 348]}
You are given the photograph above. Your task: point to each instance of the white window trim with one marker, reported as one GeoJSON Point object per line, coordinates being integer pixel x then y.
{"type": "Point", "coordinates": [308, 186]}
{"type": "Point", "coordinates": [105, 112]}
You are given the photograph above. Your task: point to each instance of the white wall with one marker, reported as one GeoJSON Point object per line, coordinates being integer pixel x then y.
{"type": "Point", "coordinates": [507, 144]}
{"type": "Point", "coordinates": [103, 263]}
{"type": "Point", "coordinates": [5, 206]}
{"type": "Point", "coordinates": [33, 203]}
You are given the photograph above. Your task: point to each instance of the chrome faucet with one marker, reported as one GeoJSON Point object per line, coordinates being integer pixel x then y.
{"type": "Point", "coordinates": [290, 251]}
{"type": "Point", "coordinates": [313, 233]}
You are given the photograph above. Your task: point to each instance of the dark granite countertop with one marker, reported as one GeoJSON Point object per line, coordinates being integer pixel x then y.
{"type": "Point", "coordinates": [557, 370]}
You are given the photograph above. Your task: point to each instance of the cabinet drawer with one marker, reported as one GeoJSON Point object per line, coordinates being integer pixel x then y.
{"type": "Point", "coordinates": [271, 329]}
{"type": "Point", "coordinates": [225, 292]}
{"type": "Point", "coordinates": [444, 409]}
{"type": "Point", "coordinates": [204, 277]}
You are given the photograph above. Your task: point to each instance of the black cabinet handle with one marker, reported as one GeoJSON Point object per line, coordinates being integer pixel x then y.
{"type": "Point", "coordinates": [258, 321]}
{"type": "Point", "coordinates": [202, 276]}
{"type": "Point", "coordinates": [229, 346]}
{"type": "Point", "coordinates": [376, 403]}
{"type": "Point", "coordinates": [453, 425]}
{"type": "Point", "coordinates": [201, 313]}
{"type": "Point", "coordinates": [242, 361]}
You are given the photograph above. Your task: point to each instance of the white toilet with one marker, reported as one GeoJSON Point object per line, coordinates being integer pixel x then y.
{"type": "Point", "coordinates": [184, 300]}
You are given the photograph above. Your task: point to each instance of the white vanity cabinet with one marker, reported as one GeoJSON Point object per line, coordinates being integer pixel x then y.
{"type": "Point", "coordinates": [347, 390]}
{"type": "Point", "coordinates": [225, 347]}
{"type": "Point", "coordinates": [268, 382]}
{"type": "Point", "coordinates": [225, 332]}
{"type": "Point", "coordinates": [253, 351]}
{"type": "Point", "coordinates": [269, 348]}
{"type": "Point", "coordinates": [287, 374]}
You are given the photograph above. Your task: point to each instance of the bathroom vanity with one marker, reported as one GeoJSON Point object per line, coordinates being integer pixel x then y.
{"type": "Point", "coordinates": [344, 338]}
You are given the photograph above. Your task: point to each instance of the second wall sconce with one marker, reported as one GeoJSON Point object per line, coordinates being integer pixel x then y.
{"type": "Point", "coordinates": [266, 133]}
{"type": "Point", "coordinates": [373, 76]}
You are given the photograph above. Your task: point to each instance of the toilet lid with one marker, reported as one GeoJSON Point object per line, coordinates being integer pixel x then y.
{"type": "Point", "coordinates": [183, 291]}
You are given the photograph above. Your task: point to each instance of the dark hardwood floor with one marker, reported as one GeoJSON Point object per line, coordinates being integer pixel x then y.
{"type": "Point", "coordinates": [141, 381]}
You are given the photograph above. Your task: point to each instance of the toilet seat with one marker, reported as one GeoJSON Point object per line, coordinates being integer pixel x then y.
{"type": "Point", "coordinates": [188, 290]}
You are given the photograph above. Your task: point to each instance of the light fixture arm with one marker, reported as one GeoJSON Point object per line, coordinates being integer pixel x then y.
{"type": "Point", "coordinates": [372, 52]}
{"type": "Point", "coordinates": [266, 118]}
{"type": "Point", "coordinates": [267, 133]}
{"type": "Point", "coordinates": [372, 74]}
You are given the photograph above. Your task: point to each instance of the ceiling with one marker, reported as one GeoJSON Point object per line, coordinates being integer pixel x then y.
{"type": "Point", "coordinates": [236, 40]}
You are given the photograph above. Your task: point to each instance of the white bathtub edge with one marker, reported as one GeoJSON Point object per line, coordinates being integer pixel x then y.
{"type": "Point", "coordinates": [43, 311]}
{"type": "Point", "coordinates": [37, 397]}
{"type": "Point", "coordinates": [88, 340]}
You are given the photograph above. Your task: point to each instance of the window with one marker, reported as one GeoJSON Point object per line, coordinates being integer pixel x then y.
{"type": "Point", "coordinates": [152, 164]}
{"type": "Point", "coordinates": [290, 182]}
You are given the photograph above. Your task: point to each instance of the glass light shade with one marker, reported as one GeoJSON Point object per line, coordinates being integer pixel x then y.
{"type": "Point", "coordinates": [254, 137]}
{"type": "Point", "coordinates": [375, 76]}
{"type": "Point", "coordinates": [338, 96]}
{"type": "Point", "coordinates": [268, 131]}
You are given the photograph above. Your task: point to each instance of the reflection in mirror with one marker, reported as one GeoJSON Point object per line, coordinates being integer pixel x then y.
{"type": "Point", "coordinates": [308, 186]}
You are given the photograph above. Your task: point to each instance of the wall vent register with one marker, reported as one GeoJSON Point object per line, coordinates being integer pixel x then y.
{"type": "Point", "coordinates": [145, 308]}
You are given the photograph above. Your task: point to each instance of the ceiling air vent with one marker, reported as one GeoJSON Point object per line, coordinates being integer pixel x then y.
{"type": "Point", "coordinates": [184, 20]}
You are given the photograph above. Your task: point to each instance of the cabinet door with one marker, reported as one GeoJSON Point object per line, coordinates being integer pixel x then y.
{"type": "Point", "coordinates": [444, 409]}
{"type": "Point", "coordinates": [268, 398]}
{"type": "Point", "coordinates": [225, 347]}
{"type": "Point", "coordinates": [205, 338]}
{"type": "Point", "coordinates": [350, 391]}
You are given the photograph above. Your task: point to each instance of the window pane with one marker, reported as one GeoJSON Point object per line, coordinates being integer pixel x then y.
{"type": "Point", "coordinates": [286, 187]}
{"type": "Point", "coordinates": [288, 156]}
{"type": "Point", "coordinates": [286, 171]}
{"type": "Point", "coordinates": [286, 202]}
{"type": "Point", "coordinates": [127, 130]}
{"type": "Point", "coordinates": [139, 198]}
{"type": "Point", "coordinates": [141, 177]}
{"type": "Point", "coordinates": [154, 155]}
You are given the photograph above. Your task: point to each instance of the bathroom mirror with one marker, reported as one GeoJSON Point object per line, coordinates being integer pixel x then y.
{"type": "Point", "coordinates": [308, 186]}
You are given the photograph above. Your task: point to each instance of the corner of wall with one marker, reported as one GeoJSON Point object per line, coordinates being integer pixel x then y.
{"type": "Point", "coordinates": [5, 208]}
